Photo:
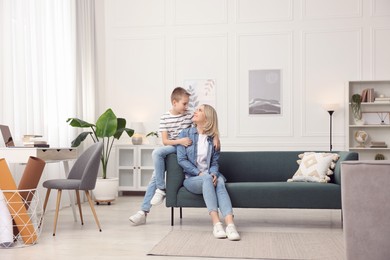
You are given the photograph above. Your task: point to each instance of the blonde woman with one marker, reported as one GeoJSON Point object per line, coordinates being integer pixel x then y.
{"type": "Point", "coordinates": [200, 164]}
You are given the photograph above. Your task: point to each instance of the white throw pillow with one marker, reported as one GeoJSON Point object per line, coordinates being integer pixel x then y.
{"type": "Point", "coordinates": [315, 167]}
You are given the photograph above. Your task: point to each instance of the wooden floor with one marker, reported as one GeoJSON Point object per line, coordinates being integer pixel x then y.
{"type": "Point", "coordinates": [120, 240]}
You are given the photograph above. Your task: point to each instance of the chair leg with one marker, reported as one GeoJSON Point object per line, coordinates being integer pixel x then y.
{"type": "Point", "coordinates": [79, 204]}
{"type": "Point", "coordinates": [172, 216]}
{"type": "Point", "coordinates": [57, 211]}
{"type": "Point", "coordinates": [93, 209]}
{"type": "Point", "coordinates": [46, 200]}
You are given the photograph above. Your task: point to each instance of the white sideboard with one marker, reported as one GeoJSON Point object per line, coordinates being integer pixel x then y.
{"type": "Point", "coordinates": [134, 165]}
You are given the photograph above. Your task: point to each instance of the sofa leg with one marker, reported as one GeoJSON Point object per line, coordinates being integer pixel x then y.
{"type": "Point", "coordinates": [181, 213]}
{"type": "Point", "coordinates": [172, 213]}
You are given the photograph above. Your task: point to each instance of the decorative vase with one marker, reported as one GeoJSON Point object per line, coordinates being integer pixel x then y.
{"type": "Point", "coordinates": [106, 190]}
{"type": "Point", "coordinates": [136, 139]}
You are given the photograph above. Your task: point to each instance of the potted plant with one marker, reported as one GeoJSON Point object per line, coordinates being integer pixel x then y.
{"type": "Point", "coordinates": [356, 101]}
{"type": "Point", "coordinates": [152, 137]}
{"type": "Point", "coordinates": [106, 129]}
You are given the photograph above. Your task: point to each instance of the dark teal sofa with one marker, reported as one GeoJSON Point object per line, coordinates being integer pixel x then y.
{"type": "Point", "coordinates": [258, 179]}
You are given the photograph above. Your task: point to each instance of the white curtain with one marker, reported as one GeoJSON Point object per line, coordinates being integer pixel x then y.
{"type": "Point", "coordinates": [86, 60]}
{"type": "Point", "coordinates": [38, 68]}
{"type": "Point", "coordinates": [47, 68]}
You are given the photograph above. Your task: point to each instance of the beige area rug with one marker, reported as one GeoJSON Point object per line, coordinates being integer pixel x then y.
{"type": "Point", "coordinates": [263, 245]}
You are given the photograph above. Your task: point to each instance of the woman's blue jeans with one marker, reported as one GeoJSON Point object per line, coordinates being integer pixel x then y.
{"type": "Point", "coordinates": [158, 177]}
{"type": "Point", "coordinates": [214, 197]}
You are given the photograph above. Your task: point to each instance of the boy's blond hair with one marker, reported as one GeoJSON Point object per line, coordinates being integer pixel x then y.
{"type": "Point", "coordinates": [211, 126]}
{"type": "Point", "coordinates": [178, 94]}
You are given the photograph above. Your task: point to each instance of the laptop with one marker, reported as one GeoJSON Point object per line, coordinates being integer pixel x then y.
{"type": "Point", "coordinates": [7, 137]}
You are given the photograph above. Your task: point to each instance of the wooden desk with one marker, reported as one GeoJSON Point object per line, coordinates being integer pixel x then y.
{"type": "Point", "coordinates": [49, 155]}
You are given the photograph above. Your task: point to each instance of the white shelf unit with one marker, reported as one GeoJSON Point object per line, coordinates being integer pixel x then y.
{"type": "Point", "coordinates": [373, 114]}
{"type": "Point", "coordinates": [134, 165]}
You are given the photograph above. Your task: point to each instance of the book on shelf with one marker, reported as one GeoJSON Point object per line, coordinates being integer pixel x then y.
{"type": "Point", "coordinates": [37, 145]}
{"type": "Point", "coordinates": [34, 141]}
{"type": "Point", "coordinates": [368, 95]}
{"type": "Point", "coordinates": [382, 99]}
{"type": "Point", "coordinates": [378, 144]}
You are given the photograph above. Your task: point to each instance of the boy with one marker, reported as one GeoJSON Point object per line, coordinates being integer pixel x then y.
{"type": "Point", "coordinates": [171, 124]}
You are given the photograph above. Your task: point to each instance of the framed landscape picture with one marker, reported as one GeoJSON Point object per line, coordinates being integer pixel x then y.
{"type": "Point", "coordinates": [264, 91]}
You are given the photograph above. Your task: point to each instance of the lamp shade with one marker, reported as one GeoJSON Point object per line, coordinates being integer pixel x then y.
{"type": "Point", "coordinates": [138, 127]}
{"type": "Point", "coordinates": [331, 107]}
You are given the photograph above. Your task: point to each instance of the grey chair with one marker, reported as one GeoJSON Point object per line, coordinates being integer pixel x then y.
{"type": "Point", "coordinates": [82, 176]}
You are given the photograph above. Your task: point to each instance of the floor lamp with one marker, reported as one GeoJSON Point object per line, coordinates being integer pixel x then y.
{"type": "Point", "coordinates": [330, 108]}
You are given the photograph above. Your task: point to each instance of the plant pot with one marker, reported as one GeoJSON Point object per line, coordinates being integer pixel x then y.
{"type": "Point", "coordinates": [359, 121]}
{"type": "Point", "coordinates": [152, 140]}
{"type": "Point", "coordinates": [106, 190]}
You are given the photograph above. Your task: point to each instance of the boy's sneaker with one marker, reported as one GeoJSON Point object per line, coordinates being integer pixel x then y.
{"type": "Point", "coordinates": [218, 230]}
{"type": "Point", "coordinates": [138, 218]}
{"type": "Point", "coordinates": [232, 233]}
{"type": "Point", "coordinates": [158, 197]}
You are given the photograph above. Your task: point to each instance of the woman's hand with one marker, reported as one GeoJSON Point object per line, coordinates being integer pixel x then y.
{"type": "Point", "coordinates": [214, 180]}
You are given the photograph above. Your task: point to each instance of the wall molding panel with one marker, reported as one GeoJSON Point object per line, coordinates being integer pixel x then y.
{"type": "Point", "coordinates": [200, 12]}
{"type": "Point", "coordinates": [129, 89]}
{"type": "Point", "coordinates": [136, 13]}
{"type": "Point", "coordinates": [330, 9]}
{"type": "Point", "coordinates": [253, 11]}
{"type": "Point", "coordinates": [380, 8]}
{"type": "Point", "coordinates": [380, 41]}
{"type": "Point", "coordinates": [276, 51]}
{"type": "Point", "coordinates": [210, 52]}
{"type": "Point", "coordinates": [319, 48]}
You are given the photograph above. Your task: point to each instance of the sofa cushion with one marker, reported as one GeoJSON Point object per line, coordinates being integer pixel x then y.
{"type": "Point", "coordinates": [315, 167]}
{"type": "Point", "coordinates": [272, 195]}
{"type": "Point", "coordinates": [285, 195]}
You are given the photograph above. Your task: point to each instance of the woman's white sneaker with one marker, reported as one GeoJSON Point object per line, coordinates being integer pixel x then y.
{"type": "Point", "coordinates": [218, 230]}
{"type": "Point", "coordinates": [138, 218]}
{"type": "Point", "coordinates": [232, 233]}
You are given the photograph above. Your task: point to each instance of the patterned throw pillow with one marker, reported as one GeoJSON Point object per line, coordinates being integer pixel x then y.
{"type": "Point", "coordinates": [315, 167]}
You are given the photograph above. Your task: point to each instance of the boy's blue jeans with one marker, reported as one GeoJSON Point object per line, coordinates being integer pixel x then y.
{"type": "Point", "coordinates": [214, 197]}
{"type": "Point", "coordinates": [158, 178]}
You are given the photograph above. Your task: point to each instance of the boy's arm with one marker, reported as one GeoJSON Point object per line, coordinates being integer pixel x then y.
{"type": "Point", "coordinates": [182, 141]}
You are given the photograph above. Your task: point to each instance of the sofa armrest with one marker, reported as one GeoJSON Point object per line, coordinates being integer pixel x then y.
{"type": "Point", "coordinates": [174, 179]}
{"type": "Point", "coordinates": [344, 156]}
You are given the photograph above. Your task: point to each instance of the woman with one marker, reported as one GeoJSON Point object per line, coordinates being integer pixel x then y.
{"type": "Point", "coordinates": [200, 164]}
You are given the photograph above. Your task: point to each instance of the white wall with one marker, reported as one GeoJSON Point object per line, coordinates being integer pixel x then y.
{"type": "Point", "coordinates": [147, 47]}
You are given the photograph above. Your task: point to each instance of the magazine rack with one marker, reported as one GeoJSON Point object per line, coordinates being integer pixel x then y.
{"type": "Point", "coordinates": [20, 205]}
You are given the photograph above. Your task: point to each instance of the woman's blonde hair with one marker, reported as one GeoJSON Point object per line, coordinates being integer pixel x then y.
{"type": "Point", "coordinates": [211, 126]}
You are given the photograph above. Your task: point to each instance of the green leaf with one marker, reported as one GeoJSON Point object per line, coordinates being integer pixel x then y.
{"type": "Point", "coordinates": [122, 128]}
{"type": "Point", "coordinates": [106, 125]}
{"type": "Point", "coordinates": [75, 122]}
{"type": "Point", "coordinates": [79, 139]}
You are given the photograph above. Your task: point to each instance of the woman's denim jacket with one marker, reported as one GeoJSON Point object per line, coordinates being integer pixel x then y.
{"type": "Point", "coordinates": [187, 156]}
